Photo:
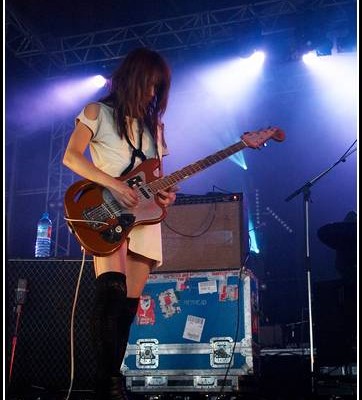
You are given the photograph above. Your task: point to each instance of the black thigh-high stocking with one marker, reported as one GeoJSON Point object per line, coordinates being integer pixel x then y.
{"type": "Point", "coordinates": [112, 317]}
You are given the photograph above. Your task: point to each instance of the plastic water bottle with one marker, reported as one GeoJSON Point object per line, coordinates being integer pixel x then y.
{"type": "Point", "coordinates": [43, 236]}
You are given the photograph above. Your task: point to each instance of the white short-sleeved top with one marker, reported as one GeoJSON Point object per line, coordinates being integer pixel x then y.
{"type": "Point", "coordinates": [112, 155]}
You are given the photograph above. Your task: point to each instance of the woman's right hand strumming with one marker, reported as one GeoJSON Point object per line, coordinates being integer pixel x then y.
{"type": "Point", "coordinates": [124, 194]}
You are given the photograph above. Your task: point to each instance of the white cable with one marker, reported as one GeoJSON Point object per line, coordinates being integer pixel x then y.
{"type": "Point", "coordinates": [86, 220]}
{"type": "Point", "coordinates": [72, 327]}
{"type": "Point", "coordinates": [242, 269]}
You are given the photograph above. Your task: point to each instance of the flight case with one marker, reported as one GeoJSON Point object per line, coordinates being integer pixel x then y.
{"type": "Point", "coordinates": [194, 332]}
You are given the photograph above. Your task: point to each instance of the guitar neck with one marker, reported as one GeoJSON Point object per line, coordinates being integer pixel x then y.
{"type": "Point", "coordinates": [171, 180]}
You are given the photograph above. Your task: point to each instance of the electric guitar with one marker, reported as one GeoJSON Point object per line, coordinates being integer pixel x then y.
{"type": "Point", "coordinates": [101, 224]}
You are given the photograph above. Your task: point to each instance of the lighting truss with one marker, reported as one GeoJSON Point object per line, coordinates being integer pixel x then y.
{"type": "Point", "coordinates": [52, 56]}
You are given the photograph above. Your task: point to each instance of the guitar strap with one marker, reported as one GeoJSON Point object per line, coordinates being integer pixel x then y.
{"type": "Point", "coordinates": [135, 152]}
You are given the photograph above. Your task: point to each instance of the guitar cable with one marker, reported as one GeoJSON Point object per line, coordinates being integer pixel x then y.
{"type": "Point", "coordinates": [72, 326]}
{"type": "Point", "coordinates": [205, 230]}
{"type": "Point", "coordinates": [242, 270]}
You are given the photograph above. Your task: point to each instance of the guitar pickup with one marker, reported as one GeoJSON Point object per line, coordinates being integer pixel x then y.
{"type": "Point", "coordinates": [144, 192]}
{"type": "Point", "coordinates": [135, 181]}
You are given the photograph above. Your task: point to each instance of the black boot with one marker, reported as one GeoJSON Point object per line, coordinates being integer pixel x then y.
{"type": "Point", "coordinates": [112, 316]}
{"type": "Point", "coordinates": [112, 388]}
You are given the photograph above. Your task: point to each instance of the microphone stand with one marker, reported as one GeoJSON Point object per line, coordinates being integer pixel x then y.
{"type": "Point", "coordinates": [20, 301]}
{"type": "Point", "coordinates": [305, 190]}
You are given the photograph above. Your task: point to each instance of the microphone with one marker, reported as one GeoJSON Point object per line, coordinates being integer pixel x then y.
{"type": "Point", "coordinates": [21, 291]}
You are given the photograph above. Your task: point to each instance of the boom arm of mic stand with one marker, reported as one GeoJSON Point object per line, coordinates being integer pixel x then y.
{"type": "Point", "coordinates": [312, 182]}
{"type": "Point", "coordinates": [298, 191]}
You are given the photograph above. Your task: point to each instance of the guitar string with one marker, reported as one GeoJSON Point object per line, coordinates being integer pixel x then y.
{"type": "Point", "coordinates": [153, 188]}
{"type": "Point", "coordinates": [197, 166]}
{"type": "Point", "coordinates": [160, 184]}
{"type": "Point", "coordinates": [163, 183]}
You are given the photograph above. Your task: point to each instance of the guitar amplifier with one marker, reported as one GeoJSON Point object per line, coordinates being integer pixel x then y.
{"type": "Point", "coordinates": [42, 356]}
{"type": "Point", "coordinates": [205, 232]}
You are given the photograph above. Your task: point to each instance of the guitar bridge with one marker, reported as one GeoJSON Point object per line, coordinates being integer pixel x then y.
{"type": "Point", "coordinates": [97, 216]}
{"type": "Point", "coordinates": [92, 219]}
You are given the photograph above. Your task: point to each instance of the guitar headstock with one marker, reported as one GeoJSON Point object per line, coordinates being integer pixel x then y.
{"type": "Point", "coordinates": [256, 139]}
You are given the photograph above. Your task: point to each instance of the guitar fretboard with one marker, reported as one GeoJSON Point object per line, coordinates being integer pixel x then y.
{"type": "Point", "coordinates": [186, 172]}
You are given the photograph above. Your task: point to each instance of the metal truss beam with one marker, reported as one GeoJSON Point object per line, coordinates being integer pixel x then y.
{"type": "Point", "coordinates": [59, 55]}
{"type": "Point", "coordinates": [59, 179]}
{"type": "Point", "coordinates": [27, 46]}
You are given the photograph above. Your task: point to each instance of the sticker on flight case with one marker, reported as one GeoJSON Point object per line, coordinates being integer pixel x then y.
{"type": "Point", "coordinates": [169, 303]}
{"type": "Point", "coordinates": [146, 311]}
{"type": "Point", "coordinates": [193, 328]}
{"type": "Point", "coordinates": [207, 287]}
{"type": "Point", "coordinates": [181, 284]}
{"type": "Point", "coordinates": [228, 292]}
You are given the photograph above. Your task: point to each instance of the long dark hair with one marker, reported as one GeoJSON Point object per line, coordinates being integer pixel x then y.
{"type": "Point", "coordinates": [131, 81]}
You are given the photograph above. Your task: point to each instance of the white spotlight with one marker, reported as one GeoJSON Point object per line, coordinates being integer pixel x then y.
{"type": "Point", "coordinates": [99, 81]}
{"type": "Point", "coordinates": [310, 58]}
{"type": "Point", "coordinates": [258, 57]}
{"type": "Point", "coordinates": [253, 63]}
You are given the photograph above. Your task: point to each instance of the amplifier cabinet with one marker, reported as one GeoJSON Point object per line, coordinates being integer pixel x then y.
{"type": "Point", "coordinates": [191, 330]}
{"type": "Point", "coordinates": [205, 233]}
{"type": "Point", "coordinates": [42, 354]}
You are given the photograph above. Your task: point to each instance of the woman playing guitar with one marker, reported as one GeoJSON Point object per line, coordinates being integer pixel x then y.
{"type": "Point", "coordinates": [122, 130]}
